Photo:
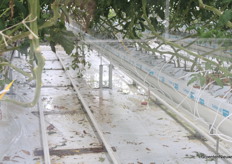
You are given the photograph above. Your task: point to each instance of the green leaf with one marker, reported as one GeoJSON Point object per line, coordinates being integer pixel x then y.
{"type": "Point", "coordinates": [52, 45]}
{"type": "Point", "coordinates": [65, 38]}
{"type": "Point", "coordinates": [208, 66]}
{"type": "Point", "coordinates": [202, 80]}
{"type": "Point", "coordinates": [4, 80]}
{"type": "Point", "coordinates": [218, 81]}
{"type": "Point", "coordinates": [2, 83]}
{"type": "Point", "coordinates": [192, 80]}
{"type": "Point", "coordinates": [1, 24]}
{"type": "Point", "coordinates": [7, 80]}
{"type": "Point", "coordinates": [21, 7]}
{"type": "Point", "coordinates": [142, 26]}
{"type": "Point", "coordinates": [161, 14]}
{"type": "Point", "coordinates": [126, 25]}
{"type": "Point", "coordinates": [154, 22]}
{"type": "Point", "coordinates": [207, 34]}
{"type": "Point", "coordinates": [226, 1]}
{"type": "Point", "coordinates": [225, 17]}
{"type": "Point", "coordinates": [134, 33]}
{"type": "Point", "coordinates": [101, 159]}
{"type": "Point", "coordinates": [23, 48]}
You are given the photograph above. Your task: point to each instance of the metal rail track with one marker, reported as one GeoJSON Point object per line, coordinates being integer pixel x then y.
{"type": "Point", "coordinates": [47, 153]}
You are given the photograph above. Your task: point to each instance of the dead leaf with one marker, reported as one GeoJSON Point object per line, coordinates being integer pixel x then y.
{"type": "Point", "coordinates": [14, 160]}
{"type": "Point", "coordinates": [101, 159]}
{"type": "Point", "coordinates": [144, 103]}
{"type": "Point", "coordinates": [18, 157]}
{"type": "Point", "coordinates": [44, 98]}
{"type": "Point", "coordinates": [26, 152]}
{"type": "Point", "coordinates": [6, 158]}
{"type": "Point", "coordinates": [148, 149]}
{"type": "Point", "coordinates": [93, 144]}
{"type": "Point", "coordinates": [114, 149]}
{"type": "Point", "coordinates": [59, 107]}
{"type": "Point", "coordinates": [51, 127]}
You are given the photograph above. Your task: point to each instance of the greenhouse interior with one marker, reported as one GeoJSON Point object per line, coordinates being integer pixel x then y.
{"type": "Point", "coordinates": [115, 81]}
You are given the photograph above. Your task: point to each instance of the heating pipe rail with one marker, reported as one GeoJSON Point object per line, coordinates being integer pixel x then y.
{"type": "Point", "coordinates": [112, 155]}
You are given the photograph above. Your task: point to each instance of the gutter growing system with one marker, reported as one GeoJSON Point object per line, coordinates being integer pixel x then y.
{"type": "Point", "coordinates": [169, 85]}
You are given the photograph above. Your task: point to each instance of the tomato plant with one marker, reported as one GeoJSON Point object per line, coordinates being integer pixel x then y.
{"type": "Point", "coordinates": [24, 24]}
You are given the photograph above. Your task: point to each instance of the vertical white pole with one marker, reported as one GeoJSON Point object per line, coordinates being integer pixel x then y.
{"type": "Point", "coordinates": [110, 75]}
{"type": "Point", "coordinates": [100, 75]}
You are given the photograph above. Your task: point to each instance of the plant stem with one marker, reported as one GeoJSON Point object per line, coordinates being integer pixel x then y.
{"type": "Point", "coordinates": [214, 10]}
{"type": "Point", "coordinates": [16, 69]}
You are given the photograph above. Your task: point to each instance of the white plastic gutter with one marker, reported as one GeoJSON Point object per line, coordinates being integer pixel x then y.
{"type": "Point", "coordinates": [136, 79]}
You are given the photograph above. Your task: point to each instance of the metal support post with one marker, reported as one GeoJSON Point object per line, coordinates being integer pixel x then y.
{"type": "Point", "coordinates": [18, 56]}
{"type": "Point", "coordinates": [110, 75]}
{"type": "Point", "coordinates": [217, 150]}
{"type": "Point", "coordinates": [100, 76]}
{"type": "Point", "coordinates": [174, 63]}
{"type": "Point", "coordinates": [148, 92]}
{"type": "Point", "coordinates": [211, 129]}
{"type": "Point", "coordinates": [134, 83]}
{"type": "Point", "coordinates": [185, 65]}
{"type": "Point", "coordinates": [11, 78]}
{"type": "Point", "coordinates": [217, 143]}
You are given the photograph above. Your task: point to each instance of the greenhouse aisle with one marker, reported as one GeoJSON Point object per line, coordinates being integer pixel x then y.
{"type": "Point", "coordinates": [138, 131]}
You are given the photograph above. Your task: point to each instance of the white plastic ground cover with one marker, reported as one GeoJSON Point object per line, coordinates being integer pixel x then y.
{"type": "Point", "coordinates": [10, 131]}
{"type": "Point", "coordinates": [18, 135]}
{"type": "Point", "coordinates": [213, 111]}
{"type": "Point", "coordinates": [19, 128]}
